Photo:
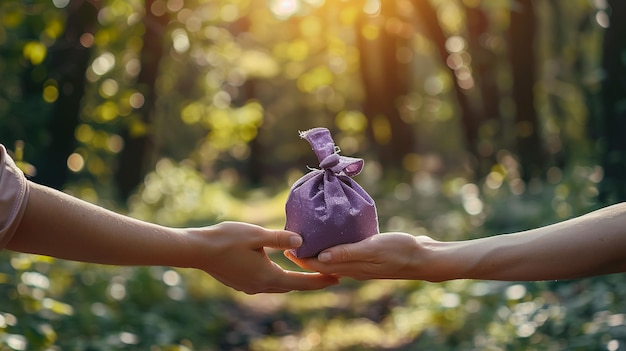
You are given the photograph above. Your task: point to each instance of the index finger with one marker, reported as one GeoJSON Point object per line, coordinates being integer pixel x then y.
{"type": "Point", "coordinates": [291, 280]}
{"type": "Point", "coordinates": [362, 250]}
{"type": "Point", "coordinates": [279, 239]}
{"type": "Point", "coordinates": [313, 264]}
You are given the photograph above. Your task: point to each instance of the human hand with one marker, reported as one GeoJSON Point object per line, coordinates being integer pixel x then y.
{"type": "Point", "coordinates": [382, 256]}
{"type": "Point", "coordinates": [234, 254]}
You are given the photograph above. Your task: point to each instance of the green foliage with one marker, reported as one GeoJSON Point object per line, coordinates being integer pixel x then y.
{"type": "Point", "coordinates": [27, 30]}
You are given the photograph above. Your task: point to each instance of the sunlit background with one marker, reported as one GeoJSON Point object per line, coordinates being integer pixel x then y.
{"type": "Point", "coordinates": [474, 118]}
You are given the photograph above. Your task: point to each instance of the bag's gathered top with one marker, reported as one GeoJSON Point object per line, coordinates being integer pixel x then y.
{"type": "Point", "coordinates": [326, 206]}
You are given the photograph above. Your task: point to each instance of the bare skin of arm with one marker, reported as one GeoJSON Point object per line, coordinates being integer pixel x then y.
{"type": "Point", "coordinates": [589, 245]}
{"type": "Point", "coordinates": [56, 224]}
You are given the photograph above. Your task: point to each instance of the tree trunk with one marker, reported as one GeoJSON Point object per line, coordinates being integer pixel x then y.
{"type": "Point", "coordinates": [470, 121]}
{"type": "Point", "coordinates": [522, 58]}
{"type": "Point", "coordinates": [69, 61]}
{"type": "Point", "coordinates": [484, 62]}
{"type": "Point", "coordinates": [136, 157]}
{"type": "Point", "coordinates": [385, 80]}
{"type": "Point", "coordinates": [613, 187]}
{"type": "Point", "coordinates": [558, 156]}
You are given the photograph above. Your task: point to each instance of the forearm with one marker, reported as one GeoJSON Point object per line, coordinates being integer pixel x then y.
{"type": "Point", "coordinates": [56, 224]}
{"type": "Point", "coordinates": [593, 244]}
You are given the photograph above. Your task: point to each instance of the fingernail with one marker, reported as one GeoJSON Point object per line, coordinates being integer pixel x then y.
{"type": "Point", "coordinates": [295, 241]}
{"type": "Point", "coordinates": [324, 257]}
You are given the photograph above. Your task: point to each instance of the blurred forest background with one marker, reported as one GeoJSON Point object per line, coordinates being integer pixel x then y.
{"type": "Point", "coordinates": [474, 118]}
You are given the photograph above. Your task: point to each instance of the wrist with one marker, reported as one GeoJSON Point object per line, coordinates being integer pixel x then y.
{"type": "Point", "coordinates": [422, 258]}
{"type": "Point", "coordinates": [484, 258]}
{"type": "Point", "coordinates": [196, 250]}
{"type": "Point", "coordinates": [443, 261]}
{"type": "Point", "coordinates": [204, 246]}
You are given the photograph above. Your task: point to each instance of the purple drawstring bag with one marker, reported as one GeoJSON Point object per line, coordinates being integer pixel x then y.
{"type": "Point", "coordinates": [326, 207]}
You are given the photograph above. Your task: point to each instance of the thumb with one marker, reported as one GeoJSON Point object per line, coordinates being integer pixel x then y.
{"type": "Point", "coordinates": [337, 254]}
{"type": "Point", "coordinates": [281, 239]}
{"type": "Point", "coordinates": [359, 251]}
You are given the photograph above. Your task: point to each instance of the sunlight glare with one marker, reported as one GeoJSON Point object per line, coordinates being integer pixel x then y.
{"type": "Point", "coordinates": [284, 8]}
{"type": "Point", "coordinates": [372, 7]}
{"type": "Point", "coordinates": [316, 3]}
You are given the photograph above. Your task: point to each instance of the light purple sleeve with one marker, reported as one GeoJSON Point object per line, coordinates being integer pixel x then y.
{"type": "Point", "coordinates": [13, 196]}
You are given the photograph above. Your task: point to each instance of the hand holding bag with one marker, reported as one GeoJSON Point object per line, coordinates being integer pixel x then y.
{"type": "Point", "coordinates": [326, 207]}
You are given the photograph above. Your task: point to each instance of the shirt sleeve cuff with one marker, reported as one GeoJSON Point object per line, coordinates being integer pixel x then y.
{"type": "Point", "coordinates": [13, 197]}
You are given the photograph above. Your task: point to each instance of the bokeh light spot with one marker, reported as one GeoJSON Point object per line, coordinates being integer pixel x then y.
{"type": "Point", "coordinates": [602, 18]}
{"type": "Point", "coordinates": [455, 44]}
{"type": "Point", "coordinates": [515, 292]}
{"type": "Point", "coordinates": [180, 40]}
{"type": "Point", "coordinates": [370, 32]}
{"type": "Point", "coordinates": [175, 5]}
{"type": "Point", "coordinates": [115, 143]}
{"type": "Point", "coordinates": [60, 4]}
{"type": "Point", "coordinates": [283, 9]}
{"type": "Point", "coordinates": [229, 13]}
{"type": "Point", "coordinates": [86, 40]}
{"type": "Point", "coordinates": [103, 63]}
{"type": "Point", "coordinates": [108, 88]}
{"type": "Point", "coordinates": [136, 100]}
{"type": "Point", "coordinates": [171, 278]}
{"type": "Point", "coordinates": [351, 121]}
{"type": "Point", "coordinates": [50, 93]}
{"type": "Point", "coordinates": [75, 162]}
{"type": "Point", "coordinates": [35, 52]}
{"type": "Point", "coordinates": [371, 7]}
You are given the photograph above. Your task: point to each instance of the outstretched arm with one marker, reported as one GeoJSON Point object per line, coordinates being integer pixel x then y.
{"type": "Point", "coordinates": [593, 244]}
{"type": "Point", "coordinates": [59, 225]}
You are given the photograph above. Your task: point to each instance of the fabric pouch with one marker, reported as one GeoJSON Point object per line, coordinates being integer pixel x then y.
{"type": "Point", "coordinates": [326, 207]}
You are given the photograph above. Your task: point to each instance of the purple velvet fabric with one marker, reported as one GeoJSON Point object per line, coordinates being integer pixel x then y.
{"type": "Point", "coordinates": [326, 206]}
